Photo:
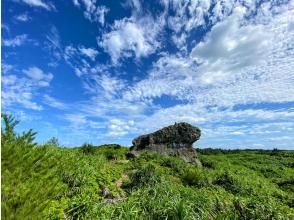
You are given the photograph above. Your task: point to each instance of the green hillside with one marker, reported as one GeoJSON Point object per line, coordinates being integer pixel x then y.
{"type": "Point", "coordinates": [51, 182]}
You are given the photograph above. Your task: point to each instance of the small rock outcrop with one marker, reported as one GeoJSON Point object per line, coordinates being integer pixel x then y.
{"type": "Point", "coordinates": [174, 140]}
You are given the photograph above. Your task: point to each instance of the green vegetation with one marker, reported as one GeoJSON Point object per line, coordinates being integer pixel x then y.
{"type": "Point", "coordinates": [51, 182]}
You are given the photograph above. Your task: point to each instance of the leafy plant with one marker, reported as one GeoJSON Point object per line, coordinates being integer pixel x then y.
{"type": "Point", "coordinates": [88, 148]}
{"type": "Point", "coordinates": [194, 177]}
{"type": "Point", "coordinates": [110, 155]}
{"type": "Point", "coordinates": [146, 176]}
{"type": "Point", "coordinates": [49, 182]}
{"type": "Point", "coordinates": [9, 136]}
{"type": "Point", "coordinates": [227, 181]}
{"type": "Point", "coordinates": [53, 142]}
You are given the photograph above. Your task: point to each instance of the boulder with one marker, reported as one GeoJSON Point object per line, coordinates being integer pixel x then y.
{"type": "Point", "coordinates": [132, 154]}
{"type": "Point", "coordinates": [178, 135]}
{"type": "Point", "coordinates": [174, 140]}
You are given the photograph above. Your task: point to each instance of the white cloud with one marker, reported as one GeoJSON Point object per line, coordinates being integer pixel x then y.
{"type": "Point", "coordinates": [54, 38]}
{"type": "Point", "coordinates": [117, 127]}
{"type": "Point", "coordinates": [14, 42]}
{"type": "Point", "coordinates": [76, 119]}
{"type": "Point", "coordinates": [228, 67]}
{"type": "Point", "coordinates": [76, 3]}
{"type": "Point", "coordinates": [75, 57]}
{"type": "Point", "coordinates": [69, 52]}
{"type": "Point", "coordinates": [6, 68]}
{"type": "Point", "coordinates": [230, 48]}
{"type": "Point", "coordinates": [89, 52]}
{"type": "Point", "coordinates": [80, 121]}
{"type": "Point", "coordinates": [23, 91]}
{"type": "Point", "coordinates": [54, 46]}
{"type": "Point", "coordinates": [23, 17]}
{"type": "Point", "coordinates": [101, 12]}
{"type": "Point", "coordinates": [50, 101]}
{"type": "Point", "coordinates": [92, 12]}
{"type": "Point", "coordinates": [40, 4]}
{"type": "Point", "coordinates": [135, 5]}
{"type": "Point", "coordinates": [129, 37]}
{"type": "Point", "coordinates": [187, 15]}
{"type": "Point", "coordinates": [171, 75]}
{"type": "Point", "coordinates": [105, 85]}
{"type": "Point", "coordinates": [38, 76]}
{"type": "Point", "coordinates": [18, 91]}
{"type": "Point", "coordinates": [5, 28]}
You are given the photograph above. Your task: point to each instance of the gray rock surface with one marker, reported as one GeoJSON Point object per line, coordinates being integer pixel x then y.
{"type": "Point", "coordinates": [176, 140]}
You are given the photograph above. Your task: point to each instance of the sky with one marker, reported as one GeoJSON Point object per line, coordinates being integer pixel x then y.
{"type": "Point", "coordinates": [107, 71]}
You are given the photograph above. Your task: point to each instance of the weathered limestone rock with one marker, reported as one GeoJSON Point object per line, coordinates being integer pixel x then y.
{"type": "Point", "coordinates": [175, 136]}
{"type": "Point", "coordinates": [174, 140]}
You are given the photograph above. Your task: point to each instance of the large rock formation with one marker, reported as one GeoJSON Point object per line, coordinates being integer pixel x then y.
{"type": "Point", "coordinates": [175, 140]}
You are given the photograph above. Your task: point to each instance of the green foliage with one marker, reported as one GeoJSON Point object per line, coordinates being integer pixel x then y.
{"type": "Point", "coordinates": [87, 148]}
{"type": "Point", "coordinates": [110, 155]}
{"type": "Point", "coordinates": [53, 142]}
{"type": "Point", "coordinates": [49, 182]}
{"type": "Point", "coordinates": [8, 133]}
{"type": "Point", "coordinates": [227, 181]}
{"type": "Point", "coordinates": [145, 176]}
{"type": "Point", "coordinates": [9, 136]}
{"type": "Point", "coordinates": [208, 163]}
{"type": "Point", "coordinates": [195, 177]}
{"type": "Point", "coordinates": [175, 164]}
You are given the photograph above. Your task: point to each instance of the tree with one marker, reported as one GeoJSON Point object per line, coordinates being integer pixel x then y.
{"type": "Point", "coordinates": [53, 142]}
{"type": "Point", "coordinates": [9, 136]}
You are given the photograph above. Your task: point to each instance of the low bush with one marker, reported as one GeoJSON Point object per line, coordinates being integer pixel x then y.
{"type": "Point", "coordinates": [53, 142]}
{"type": "Point", "coordinates": [207, 163]}
{"type": "Point", "coordinates": [110, 155]}
{"type": "Point", "coordinates": [146, 176]}
{"type": "Point", "coordinates": [176, 165]}
{"type": "Point", "coordinates": [49, 182]}
{"type": "Point", "coordinates": [227, 181]}
{"type": "Point", "coordinates": [195, 177]}
{"type": "Point", "coordinates": [87, 148]}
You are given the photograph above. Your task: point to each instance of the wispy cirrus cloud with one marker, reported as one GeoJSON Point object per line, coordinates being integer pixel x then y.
{"type": "Point", "coordinates": [16, 41]}
{"type": "Point", "coordinates": [54, 103]}
{"type": "Point", "coordinates": [89, 52]}
{"type": "Point", "coordinates": [40, 4]}
{"type": "Point", "coordinates": [21, 90]}
{"type": "Point", "coordinates": [73, 54]}
{"type": "Point", "coordinates": [24, 17]}
{"type": "Point", "coordinates": [92, 12]}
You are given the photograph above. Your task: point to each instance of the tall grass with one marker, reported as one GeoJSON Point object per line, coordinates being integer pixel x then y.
{"type": "Point", "coordinates": [50, 182]}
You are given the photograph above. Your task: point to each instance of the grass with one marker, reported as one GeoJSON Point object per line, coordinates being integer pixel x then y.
{"type": "Point", "coordinates": [51, 182]}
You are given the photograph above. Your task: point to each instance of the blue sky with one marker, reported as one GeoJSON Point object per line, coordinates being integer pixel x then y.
{"type": "Point", "coordinates": [107, 71]}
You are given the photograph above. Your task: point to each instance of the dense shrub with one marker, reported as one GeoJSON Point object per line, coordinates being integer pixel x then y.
{"type": "Point", "coordinates": [287, 185]}
{"type": "Point", "coordinates": [176, 165]}
{"type": "Point", "coordinates": [208, 163]}
{"type": "Point", "coordinates": [53, 142]}
{"type": "Point", "coordinates": [146, 176]}
{"type": "Point", "coordinates": [227, 181]}
{"type": "Point", "coordinates": [9, 136]}
{"type": "Point", "coordinates": [49, 182]}
{"type": "Point", "coordinates": [169, 163]}
{"type": "Point", "coordinates": [88, 148]}
{"type": "Point", "coordinates": [111, 155]}
{"type": "Point", "coordinates": [195, 177]}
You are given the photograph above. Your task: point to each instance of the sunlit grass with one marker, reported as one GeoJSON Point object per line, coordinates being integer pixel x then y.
{"type": "Point", "coordinates": [50, 182]}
